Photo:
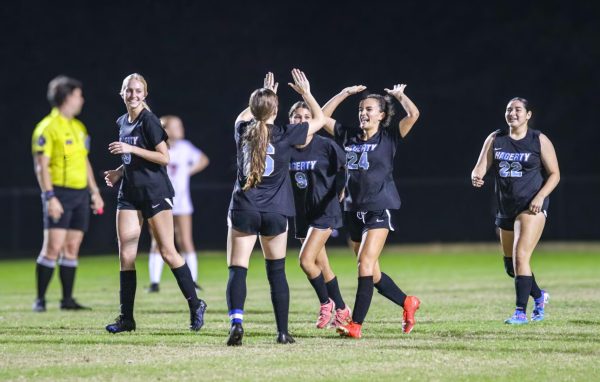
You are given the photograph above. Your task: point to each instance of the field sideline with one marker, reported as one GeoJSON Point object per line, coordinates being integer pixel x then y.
{"type": "Point", "coordinates": [459, 334]}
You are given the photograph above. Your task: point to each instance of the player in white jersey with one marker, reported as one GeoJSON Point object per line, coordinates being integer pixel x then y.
{"type": "Point", "coordinates": [185, 160]}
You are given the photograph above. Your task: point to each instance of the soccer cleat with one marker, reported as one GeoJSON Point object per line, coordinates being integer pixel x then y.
{"type": "Point", "coordinates": [71, 304]}
{"type": "Point", "coordinates": [197, 317]}
{"type": "Point", "coordinates": [153, 288]}
{"type": "Point", "coordinates": [351, 329]}
{"type": "Point", "coordinates": [538, 310]}
{"type": "Point", "coordinates": [411, 304]}
{"type": "Point", "coordinates": [121, 324]}
{"type": "Point", "coordinates": [325, 314]}
{"type": "Point", "coordinates": [285, 338]}
{"type": "Point", "coordinates": [342, 317]}
{"type": "Point", "coordinates": [519, 317]}
{"type": "Point", "coordinates": [39, 305]}
{"type": "Point", "coordinates": [236, 333]}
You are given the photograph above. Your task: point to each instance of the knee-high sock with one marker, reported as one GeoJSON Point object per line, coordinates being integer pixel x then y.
{"type": "Point", "coordinates": [43, 274]}
{"type": "Point", "coordinates": [318, 284]}
{"type": "Point", "coordinates": [364, 294]}
{"type": "Point", "coordinates": [280, 292]}
{"type": "Point", "coordinates": [155, 267]}
{"type": "Point", "coordinates": [186, 285]}
{"type": "Point", "coordinates": [191, 259]}
{"type": "Point", "coordinates": [536, 292]}
{"type": "Point", "coordinates": [236, 293]}
{"type": "Point", "coordinates": [334, 293]}
{"type": "Point", "coordinates": [67, 268]}
{"type": "Point", "coordinates": [522, 289]}
{"type": "Point", "coordinates": [388, 288]}
{"type": "Point", "coordinates": [127, 293]}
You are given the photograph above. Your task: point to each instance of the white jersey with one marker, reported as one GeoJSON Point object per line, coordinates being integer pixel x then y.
{"type": "Point", "coordinates": [183, 156]}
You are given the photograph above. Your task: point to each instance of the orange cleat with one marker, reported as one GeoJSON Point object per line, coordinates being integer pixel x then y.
{"type": "Point", "coordinates": [411, 304]}
{"type": "Point", "coordinates": [351, 329]}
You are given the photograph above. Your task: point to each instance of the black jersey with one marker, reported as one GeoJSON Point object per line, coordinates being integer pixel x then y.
{"type": "Point", "coordinates": [274, 192]}
{"type": "Point", "coordinates": [314, 170]}
{"type": "Point", "coordinates": [142, 179]}
{"type": "Point", "coordinates": [518, 171]}
{"type": "Point", "coordinates": [370, 165]}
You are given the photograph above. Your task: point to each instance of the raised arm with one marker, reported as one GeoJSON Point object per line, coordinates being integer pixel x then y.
{"type": "Point", "coordinates": [484, 162]}
{"type": "Point", "coordinates": [333, 103]}
{"type": "Point", "coordinates": [268, 83]}
{"type": "Point", "coordinates": [412, 113]}
{"type": "Point", "coordinates": [302, 87]}
{"type": "Point", "coordinates": [550, 163]}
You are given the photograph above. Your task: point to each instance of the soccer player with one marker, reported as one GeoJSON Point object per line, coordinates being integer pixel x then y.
{"type": "Point", "coordinates": [525, 170]}
{"type": "Point", "coordinates": [145, 194]}
{"type": "Point", "coordinates": [60, 146]}
{"type": "Point", "coordinates": [262, 199]}
{"type": "Point", "coordinates": [317, 171]}
{"type": "Point", "coordinates": [371, 193]}
{"type": "Point", "coordinates": [185, 160]}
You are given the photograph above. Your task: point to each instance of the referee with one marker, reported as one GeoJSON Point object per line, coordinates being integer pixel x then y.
{"type": "Point", "coordinates": [60, 146]}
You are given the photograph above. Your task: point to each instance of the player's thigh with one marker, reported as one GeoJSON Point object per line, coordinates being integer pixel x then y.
{"type": "Point", "coordinates": [528, 231]}
{"type": "Point", "coordinates": [372, 244]}
{"type": "Point", "coordinates": [314, 243]}
{"type": "Point", "coordinates": [274, 247]}
{"type": "Point", "coordinates": [129, 227]}
{"type": "Point", "coordinates": [162, 227]}
{"type": "Point", "coordinates": [239, 247]}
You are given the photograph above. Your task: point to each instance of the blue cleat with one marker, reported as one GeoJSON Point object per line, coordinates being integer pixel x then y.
{"type": "Point", "coordinates": [197, 317]}
{"type": "Point", "coordinates": [121, 324]}
{"type": "Point", "coordinates": [518, 318]}
{"type": "Point", "coordinates": [538, 310]}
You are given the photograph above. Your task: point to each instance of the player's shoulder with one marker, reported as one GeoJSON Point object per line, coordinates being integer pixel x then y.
{"type": "Point", "coordinates": [148, 116]}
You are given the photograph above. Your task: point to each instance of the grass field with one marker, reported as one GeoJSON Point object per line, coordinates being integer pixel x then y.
{"type": "Point", "coordinates": [459, 335]}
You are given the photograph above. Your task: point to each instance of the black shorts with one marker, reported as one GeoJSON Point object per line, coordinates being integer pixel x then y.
{"type": "Point", "coordinates": [358, 222]}
{"type": "Point", "coordinates": [508, 224]}
{"type": "Point", "coordinates": [301, 224]}
{"type": "Point", "coordinates": [254, 222]}
{"type": "Point", "coordinates": [149, 208]}
{"type": "Point", "coordinates": [76, 206]}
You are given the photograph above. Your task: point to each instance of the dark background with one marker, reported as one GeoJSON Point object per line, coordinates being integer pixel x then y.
{"type": "Point", "coordinates": [462, 63]}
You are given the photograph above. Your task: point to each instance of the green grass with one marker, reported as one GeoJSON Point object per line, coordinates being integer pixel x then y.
{"type": "Point", "coordinates": [459, 335]}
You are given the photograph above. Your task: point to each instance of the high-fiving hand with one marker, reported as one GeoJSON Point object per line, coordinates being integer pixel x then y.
{"type": "Point", "coordinates": [270, 83]}
{"type": "Point", "coordinates": [397, 91]}
{"type": "Point", "coordinates": [301, 84]}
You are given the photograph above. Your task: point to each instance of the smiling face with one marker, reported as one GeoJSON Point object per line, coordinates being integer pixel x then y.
{"type": "Point", "coordinates": [516, 114]}
{"type": "Point", "coordinates": [300, 115]}
{"type": "Point", "coordinates": [370, 114]}
{"type": "Point", "coordinates": [133, 92]}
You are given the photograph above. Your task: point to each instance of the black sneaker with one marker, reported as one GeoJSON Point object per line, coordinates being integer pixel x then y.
{"type": "Point", "coordinates": [197, 317]}
{"type": "Point", "coordinates": [235, 335]}
{"type": "Point", "coordinates": [285, 338]}
{"type": "Point", "coordinates": [153, 288]}
{"type": "Point", "coordinates": [39, 305]}
{"type": "Point", "coordinates": [71, 304]}
{"type": "Point", "coordinates": [121, 324]}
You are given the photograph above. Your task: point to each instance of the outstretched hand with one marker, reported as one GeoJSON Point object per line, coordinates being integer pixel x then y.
{"type": "Point", "coordinates": [351, 90]}
{"type": "Point", "coordinates": [397, 91]}
{"type": "Point", "coordinates": [301, 84]}
{"type": "Point", "coordinates": [270, 83]}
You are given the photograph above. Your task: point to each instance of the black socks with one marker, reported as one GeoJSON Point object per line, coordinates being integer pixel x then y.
{"type": "Point", "coordinates": [523, 289]}
{"type": "Point", "coordinates": [333, 290]}
{"type": "Point", "coordinates": [43, 275]}
{"type": "Point", "coordinates": [127, 293]}
{"type": "Point", "coordinates": [67, 270]}
{"type": "Point", "coordinates": [388, 288]}
{"type": "Point", "coordinates": [236, 293]}
{"type": "Point", "coordinates": [186, 285]}
{"type": "Point", "coordinates": [280, 292]}
{"type": "Point", "coordinates": [364, 294]}
{"type": "Point", "coordinates": [536, 292]}
{"type": "Point", "coordinates": [318, 283]}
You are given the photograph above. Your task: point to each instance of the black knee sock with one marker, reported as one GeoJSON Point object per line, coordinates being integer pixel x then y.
{"type": "Point", "coordinates": [523, 289]}
{"type": "Point", "coordinates": [236, 293]}
{"type": "Point", "coordinates": [364, 294]}
{"type": "Point", "coordinates": [43, 275]}
{"type": "Point", "coordinates": [333, 290]}
{"type": "Point", "coordinates": [67, 270]}
{"type": "Point", "coordinates": [318, 283]}
{"type": "Point", "coordinates": [280, 292]}
{"type": "Point", "coordinates": [388, 289]}
{"type": "Point", "coordinates": [183, 275]}
{"type": "Point", "coordinates": [127, 293]}
{"type": "Point", "coordinates": [536, 292]}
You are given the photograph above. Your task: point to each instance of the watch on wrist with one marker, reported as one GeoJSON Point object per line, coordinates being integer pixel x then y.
{"type": "Point", "coordinates": [49, 195]}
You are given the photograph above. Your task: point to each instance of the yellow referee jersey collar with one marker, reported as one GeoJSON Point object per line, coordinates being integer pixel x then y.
{"type": "Point", "coordinates": [56, 113]}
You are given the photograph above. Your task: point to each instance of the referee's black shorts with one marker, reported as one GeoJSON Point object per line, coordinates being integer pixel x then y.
{"type": "Point", "coordinates": [76, 206]}
{"type": "Point", "coordinates": [254, 222]}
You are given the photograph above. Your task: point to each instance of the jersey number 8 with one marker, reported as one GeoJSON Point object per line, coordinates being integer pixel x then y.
{"type": "Point", "coordinates": [352, 159]}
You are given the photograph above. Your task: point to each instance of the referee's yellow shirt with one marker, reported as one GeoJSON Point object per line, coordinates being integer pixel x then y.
{"type": "Point", "coordinates": [66, 143]}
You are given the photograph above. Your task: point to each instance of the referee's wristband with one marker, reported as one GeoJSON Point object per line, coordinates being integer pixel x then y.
{"type": "Point", "coordinates": [49, 195]}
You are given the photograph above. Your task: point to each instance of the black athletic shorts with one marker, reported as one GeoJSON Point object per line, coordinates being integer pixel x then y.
{"type": "Point", "coordinates": [301, 224]}
{"type": "Point", "coordinates": [508, 224]}
{"type": "Point", "coordinates": [149, 208]}
{"type": "Point", "coordinates": [76, 206]}
{"type": "Point", "coordinates": [254, 222]}
{"type": "Point", "coordinates": [357, 222]}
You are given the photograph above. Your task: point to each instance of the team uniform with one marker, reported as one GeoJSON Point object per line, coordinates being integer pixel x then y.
{"type": "Point", "coordinates": [145, 185]}
{"type": "Point", "coordinates": [183, 155]}
{"type": "Point", "coordinates": [66, 142]}
{"type": "Point", "coordinates": [370, 190]}
{"type": "Point", "coordinates": [317, 180]}
{"type": "Point", "coordinates": [264, 209]}
{"type": "Point", "coordinates": [518, 175]}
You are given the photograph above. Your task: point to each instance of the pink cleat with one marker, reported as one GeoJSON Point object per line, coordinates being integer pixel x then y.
{"type": "Point", "coordinates": [342, 317]}
{"type": "Point", "coordinates": [325, 314]}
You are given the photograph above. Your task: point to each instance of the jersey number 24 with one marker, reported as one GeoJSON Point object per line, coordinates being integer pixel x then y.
{"type": "Point", "coordinates": [354, 163]}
